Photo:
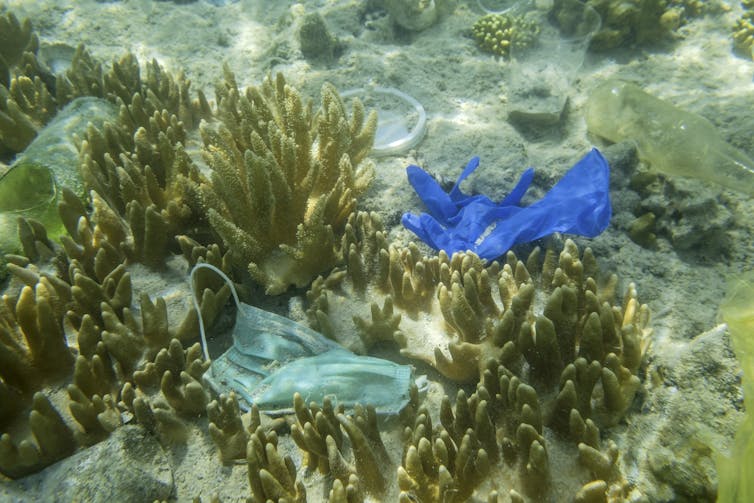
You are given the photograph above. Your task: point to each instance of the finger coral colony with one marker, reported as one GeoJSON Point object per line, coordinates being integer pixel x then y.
{"type": "Point", "coordinates": [540, 356]}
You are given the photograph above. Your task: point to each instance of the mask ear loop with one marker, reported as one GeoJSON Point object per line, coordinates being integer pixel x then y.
{"type": "Point", "coordinates": [192, 281]}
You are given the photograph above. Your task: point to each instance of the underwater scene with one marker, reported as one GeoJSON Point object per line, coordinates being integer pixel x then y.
{"type": "Point", "coordinates": [358, 251]}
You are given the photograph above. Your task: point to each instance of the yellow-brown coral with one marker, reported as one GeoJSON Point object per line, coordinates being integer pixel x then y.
{"type": "Point", "coordinates": [284, 180]}
{"type": "Point", "coordinates": [743, 30]}
{"type": "Point", "coordinates": [454, 313]}
{"type": "Point", "coordinates": [549, 351]}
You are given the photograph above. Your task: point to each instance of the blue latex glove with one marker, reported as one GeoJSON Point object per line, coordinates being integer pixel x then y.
{"type": "Point", "coordinates": [578, 204]}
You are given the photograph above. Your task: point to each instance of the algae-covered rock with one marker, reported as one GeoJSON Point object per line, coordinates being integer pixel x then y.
{"type": "Point", "coordinates": [143, 472]}
{"type": "Point", "coordinates": [316, 40]}
{"type": "Point", "coordinates": [641, 230]}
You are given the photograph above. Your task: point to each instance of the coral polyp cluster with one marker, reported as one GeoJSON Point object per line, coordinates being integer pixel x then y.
{"type": "Point", "coordinates": [743, 30]}
{"type": "Point", "coordinates": [499, 33]}
{"type": "Point", "coordinates": [78, 316]}
{"type": "Point", "coordinates": [638, 22]}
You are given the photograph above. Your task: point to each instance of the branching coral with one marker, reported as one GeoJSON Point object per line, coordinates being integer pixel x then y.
{"type": "Point", "coordinates": [140, 173]}
{"type": "Point", "coordinates": [93, 297]}
{"type": "Point", "coordinates": [543, 339]}
{"type": "Point", "coordinates": [34, 346]}
{"type": "Point", "coordinates": [743, 30]}
{"type": "Point", "coordinates": [227, 429]}
{"type": "Point", "coordinates": [497, 433]}
{"type": "Point", "coordinates": [319, 432]}
{"type": "Point", "coordinates": [284, 180]}
{"type": "Point", "coordinates": [346, 493]}
{"type": "Point", "coordinates": [51, 439]}
{"type": "Point", "coordinates": [112, 342]}
{"type": "Point", "coordinates": [438, 468]}
{"type": "Point", "coordinates": [25, 106]}
{"type": "Point", "coordinates": [17, 37]}
{"type": "Point", "coordinates": [637, 21]}
{"type": "Point", "coordinates": [449, 312]}
{"type": "Point", "coordinates": [139, 165]}
{"type": "Point", "coordinates": [166, 390]}
{"type": "Point", "coordinates": [553, 359]}
{"type": "Point", "coordinates": [23, 98]}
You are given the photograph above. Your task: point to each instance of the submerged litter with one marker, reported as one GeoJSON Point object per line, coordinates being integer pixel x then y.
{"type": "Point", "coordinates": [578, 204]}
{"type": "Point", "coordinates": [273, 357]}
{"type": "Point", "coordinates": [671, 139]}
{"type": "Point", "coordinates": [498, 6]}
{"type": "Point", "coordinates": [540, 76]}
{"type": "Point", "coordinates": [401, 120]}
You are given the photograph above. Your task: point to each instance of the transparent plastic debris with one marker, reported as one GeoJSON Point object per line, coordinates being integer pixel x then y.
{"type": "Point", "coordinates": [401, 119]}
{"type": "Point", "coordinates": [670, 139]}
{"type": "Point", "coordinates": [32, 185]}
{"type": "Point", "coordinates": [540, 76]}
{"type": "Point", "coordinates": [273, 357]}
{"type": "Point", "coordinates": [58, 56]}
{"type": "Point", "coordinates": [497, 6]}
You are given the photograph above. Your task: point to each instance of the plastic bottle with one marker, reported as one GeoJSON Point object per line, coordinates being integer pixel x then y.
{"type": "Point", "coordinates": [671, 140]}
{"type": "Point", "coordinates": [32, 186]}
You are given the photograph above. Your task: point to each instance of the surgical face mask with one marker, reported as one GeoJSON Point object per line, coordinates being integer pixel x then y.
{"type": "Point", "coordinates": [273, 357]}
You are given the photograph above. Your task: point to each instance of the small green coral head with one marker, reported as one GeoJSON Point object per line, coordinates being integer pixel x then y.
{"type": "Point", "coordinates": [498, 33]}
